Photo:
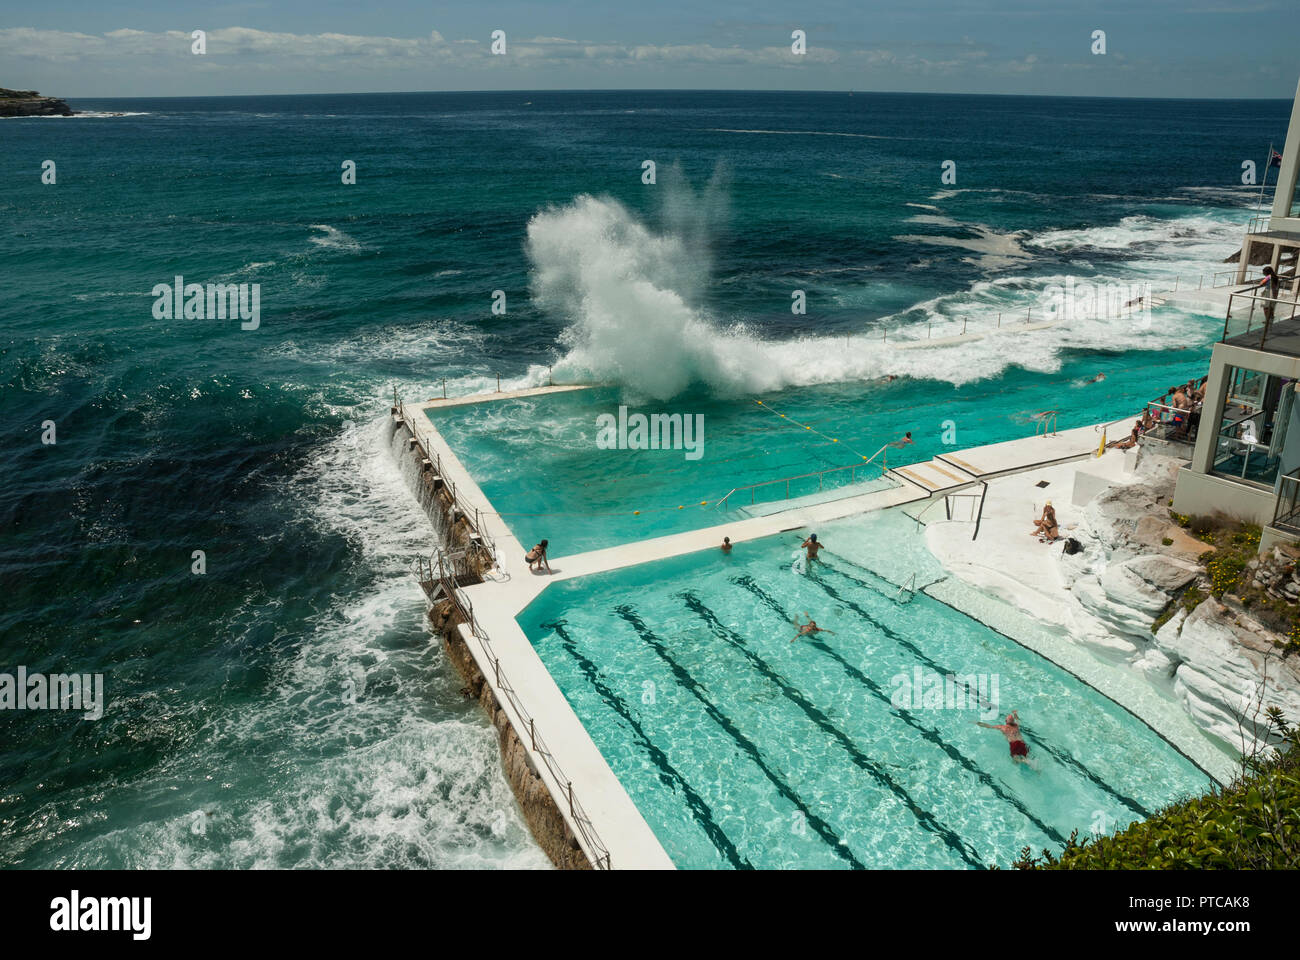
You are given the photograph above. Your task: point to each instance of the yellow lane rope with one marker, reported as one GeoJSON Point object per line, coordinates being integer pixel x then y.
{"type": "Point", "coordinates": [811, 429]}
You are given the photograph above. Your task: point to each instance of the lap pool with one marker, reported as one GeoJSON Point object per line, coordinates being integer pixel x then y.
{"type": "Point", "coordinates": [744, 749]}
{"type": "Point", "coordinates": [537, 460]}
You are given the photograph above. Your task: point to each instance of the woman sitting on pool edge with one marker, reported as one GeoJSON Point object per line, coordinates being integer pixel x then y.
{"type": "Point", "coordinates": [536, 557]}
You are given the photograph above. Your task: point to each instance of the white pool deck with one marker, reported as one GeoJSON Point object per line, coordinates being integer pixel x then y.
{"type": "Point", "coordinates": [512, 587]}
{"type": "Point", "coordinates": [1007, 563]}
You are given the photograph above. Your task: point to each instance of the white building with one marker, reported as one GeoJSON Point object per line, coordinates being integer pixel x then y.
{"type": "Point", "coordinates": [1246, 462]}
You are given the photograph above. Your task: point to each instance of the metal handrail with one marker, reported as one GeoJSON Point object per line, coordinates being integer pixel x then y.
{"type": "Point", "coordinates": [1043, 418]}
{"type": "Point", "coordinates": [751, 487]}
{"type": "Point", "coordinates": [599, 853]}
{"type": "Point", "coordinates": [1292, 481]}
{"type": "Point", "coordinates": [487, 543]}
{"type": "Point", "coordinates": [909, 586]}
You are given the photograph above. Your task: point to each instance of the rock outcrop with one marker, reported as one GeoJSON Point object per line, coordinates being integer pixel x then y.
{"type": "Point", "coordinates": [1218, 662]}
{"type": "Point", "coordinates": [29, 103]}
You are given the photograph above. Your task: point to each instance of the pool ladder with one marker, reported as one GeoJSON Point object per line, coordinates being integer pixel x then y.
{"type": "Point", "coordinates": [910, 587]}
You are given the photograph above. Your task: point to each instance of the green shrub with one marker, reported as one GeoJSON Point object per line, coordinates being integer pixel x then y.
{"type": "Point", "coordinates": [1254, 824]}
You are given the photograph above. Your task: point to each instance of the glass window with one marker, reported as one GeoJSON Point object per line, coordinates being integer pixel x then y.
{"type": "Point", "coordinates": [1253, 426]}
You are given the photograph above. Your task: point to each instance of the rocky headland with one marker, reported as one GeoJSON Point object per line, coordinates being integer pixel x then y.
{"type": "Point", "coordinates": [29, 103]}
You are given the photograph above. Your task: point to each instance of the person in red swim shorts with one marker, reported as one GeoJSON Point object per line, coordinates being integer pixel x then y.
{"type": "Point", "coordinates": [1011, 730]}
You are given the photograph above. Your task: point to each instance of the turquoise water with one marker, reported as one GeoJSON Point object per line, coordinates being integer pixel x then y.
{"type": "Point", "coordinates": [743, 749]}
{"type": "Point", "coordinates": [537, 460]}
{"type": "Point", "coordinates": [266, 449]}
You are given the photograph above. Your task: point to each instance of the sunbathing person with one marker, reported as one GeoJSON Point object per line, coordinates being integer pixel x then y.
{"type": "Point", "coordinates": [808, 629]}
{"type": "Point", "coordinates": [1045, 527]}
{"type": "Point", "coordinates": [1131, 440]}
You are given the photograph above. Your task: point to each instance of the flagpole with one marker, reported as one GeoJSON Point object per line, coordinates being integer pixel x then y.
{"type": "Point", "coordinates": [1268, 165]}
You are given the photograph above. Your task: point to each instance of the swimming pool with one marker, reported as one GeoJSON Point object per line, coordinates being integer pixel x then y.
{"type": "Point", "coordinates": [537, 460]}
{"type": "Point", "coordinates": [744, 749]}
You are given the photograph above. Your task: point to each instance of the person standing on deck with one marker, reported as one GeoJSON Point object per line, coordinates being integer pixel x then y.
{"type": "Point", "coordinates": [1268, 286]}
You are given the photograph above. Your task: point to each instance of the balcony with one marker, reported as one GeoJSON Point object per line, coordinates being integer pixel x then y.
{"type": "Point", "coordinates": [1260, 322]}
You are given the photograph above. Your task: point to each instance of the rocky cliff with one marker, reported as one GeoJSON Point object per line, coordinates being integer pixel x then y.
{"type": "Point", "coordinates": [29, 103]}
{"type": "Point", "coordinates": [1217, 660]}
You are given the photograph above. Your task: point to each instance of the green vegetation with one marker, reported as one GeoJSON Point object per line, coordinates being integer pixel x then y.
{"type": "Point", "coordinates": [1189, 600]}
{"type": "Point", "coordinates": [1254, 824]}
{"type": "Point", "coordinates": [1236, 546]}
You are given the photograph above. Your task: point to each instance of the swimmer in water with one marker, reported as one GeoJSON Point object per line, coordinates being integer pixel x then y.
{"type": "Point", "coordinates": [1098, 378]}
{"type": "Point", "coordinates": [808, 629]}
{"type": "Point", "coordinates": [1011, 730]}
{"type": "Point", "coordinates": [812, 546]}
{"type": "Point", "coordinates": [726, 544]}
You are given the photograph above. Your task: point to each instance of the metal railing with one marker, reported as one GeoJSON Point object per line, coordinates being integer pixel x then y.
{"type": "Point", "coordinates": [1286, 508]}
{"type": "Point", "coordinates": [471, 514]}
{"type": "Point", "coordinates": [819, 474]}
{"type": "Point", "coordinates": [595, 849]}
{"type": "Point", "coordinates": [979, 508]}
{"type": "Point", "coordinates": [909, 586]}
{"type": "Point", "coordinates": [1171, 423]}
{"type": "Point", "coordinates": [1251, 315]}
{"type": "Point", "coordinates": [1044, 419]}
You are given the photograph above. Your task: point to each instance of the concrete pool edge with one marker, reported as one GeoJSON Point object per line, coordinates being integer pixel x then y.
{"type": "Point", "coordinates": [627, 840]}
{"type": "Point", "coordinates": [508, 590]}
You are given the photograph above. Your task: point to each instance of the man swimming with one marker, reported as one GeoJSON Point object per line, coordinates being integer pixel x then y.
{"type": "Point", "coordinates": [812, 546]}
{"type": "Point", "coordinates": [1011, 730]}
{"type": "Point", "coordinates": [808, 629]}
{"type": "Point", "coordinates": [726, 544]}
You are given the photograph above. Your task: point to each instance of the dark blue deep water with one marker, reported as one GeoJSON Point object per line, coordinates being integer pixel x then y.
{"type": "Point", "coordinates": [228, 739]}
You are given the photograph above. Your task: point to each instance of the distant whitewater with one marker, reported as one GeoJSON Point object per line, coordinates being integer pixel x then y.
{"type": "Point", "coordinates": [633, 302]}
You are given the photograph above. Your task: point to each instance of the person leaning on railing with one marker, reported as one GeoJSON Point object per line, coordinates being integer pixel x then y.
{"type": "Point", "coordinates": [1267, 285]}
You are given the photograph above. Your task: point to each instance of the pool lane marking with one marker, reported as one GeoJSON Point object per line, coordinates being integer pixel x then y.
{"type": "Point", "coordinates": [926, 819]}
{"type": "Point", "coordinates": [668, 774]}
{"type": "Point", "coordinates": [1173, 746]}
{"type": "Point", "coordinates": [1033, 737]}
{"type": "Point", "coordinates": [930, 734]}
{"type": "Point", "coordinates": [683, 677]}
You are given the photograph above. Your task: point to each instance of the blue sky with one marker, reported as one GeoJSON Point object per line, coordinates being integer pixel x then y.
{"type": "Point", "coordinates": [1155, 48]}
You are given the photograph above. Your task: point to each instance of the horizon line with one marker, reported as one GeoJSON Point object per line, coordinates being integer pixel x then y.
{"type": "Point", "coordinates": [523, 90]}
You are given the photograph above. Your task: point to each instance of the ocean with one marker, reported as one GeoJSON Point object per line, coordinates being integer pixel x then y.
{"type": "Point", "coordinates": [285, 707]}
